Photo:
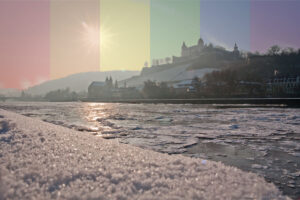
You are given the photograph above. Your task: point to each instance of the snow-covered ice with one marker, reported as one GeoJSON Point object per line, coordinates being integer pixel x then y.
{"type": "Point", "coordinates": [39, 160]}
{"type": "Point", "coordinates": [237, 135]}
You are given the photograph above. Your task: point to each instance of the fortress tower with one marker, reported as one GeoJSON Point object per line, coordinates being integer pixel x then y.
{"type": "Point", "coordinates": [236, 51]}
{"type": "Point", "coordinates": [193, 50]}
{"type": "Point", "coordinates": [200, 43]}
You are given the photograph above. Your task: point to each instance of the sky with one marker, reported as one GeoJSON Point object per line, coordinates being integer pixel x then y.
{"type": "Point", "coordinates": [24, 43]}
{"type": "Point", "coordinates": [225, 23]}
{"type": "Point", "coordinates": [42, 40]}
{"type": "Point", "coordinates": [125, 33]}
{"type": "Point", "coordinates": [74, 37]}
{"type": "Point", "coordinates": [172, 23]}
{"type": "Point", "coordinates": [275, 22]}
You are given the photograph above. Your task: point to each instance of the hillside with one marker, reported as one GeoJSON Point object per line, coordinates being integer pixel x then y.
{"type": "Point", "coordinates": [262, 67]}
{"type": "Point", "coordinates": [204, 61]}
{"type": "Point", "coordinates": [169, 74]}
{"type": "Point", "coordinates": [79, 82]}
{"type": "Point", "coordinates": [180, 71]}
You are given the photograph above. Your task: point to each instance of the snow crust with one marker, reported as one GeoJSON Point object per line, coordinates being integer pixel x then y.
{"type": "Point", "coordinates": [175, 73]}
{"type": "Point", "coordinates": [39, 160]}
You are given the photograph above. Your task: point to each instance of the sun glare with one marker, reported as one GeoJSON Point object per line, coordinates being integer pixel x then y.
{"type": "Point", "coordinates": [105, 37]}
{"type": "Point", "coordinates": [95, 36]}
{"type": "Point", "coordinates": [91, 35]}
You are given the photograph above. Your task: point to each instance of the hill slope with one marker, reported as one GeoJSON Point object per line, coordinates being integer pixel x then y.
{"type": "Point", "coordinates": [79, 82]}
{"type": "Point", "coordinates": [170, 73]}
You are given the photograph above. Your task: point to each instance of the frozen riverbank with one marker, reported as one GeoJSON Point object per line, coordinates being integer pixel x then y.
{"type": "Point", "coordinates": [43, 161]}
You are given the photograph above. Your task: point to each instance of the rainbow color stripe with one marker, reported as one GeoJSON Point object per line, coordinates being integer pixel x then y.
{"type": "Point", "coordinates": [48, 39]}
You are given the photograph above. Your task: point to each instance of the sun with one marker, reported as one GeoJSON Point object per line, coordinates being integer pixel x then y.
{"type": "Point", "coordinates": [91, 35]}
{"type": "Point", "coordinates": [95, 37]}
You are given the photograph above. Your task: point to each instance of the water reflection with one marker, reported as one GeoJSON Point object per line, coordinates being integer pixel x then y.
{"type": "Point", "coordinates": [95, 114]}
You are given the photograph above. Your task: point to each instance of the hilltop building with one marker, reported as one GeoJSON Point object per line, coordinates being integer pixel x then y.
{"type": "Point", "coordinates": [194, 52]}
{"type": "Point", "coordinates": [195, 58]}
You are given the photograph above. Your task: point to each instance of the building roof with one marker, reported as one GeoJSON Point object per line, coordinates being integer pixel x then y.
{"type": "Point", "coordinates": [97, 83]}
{"type": "Point", "coordinates": [183, 84]}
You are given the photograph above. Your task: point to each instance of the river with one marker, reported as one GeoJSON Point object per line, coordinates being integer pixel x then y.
{"type": "Point", "coordinates": [262, 139]}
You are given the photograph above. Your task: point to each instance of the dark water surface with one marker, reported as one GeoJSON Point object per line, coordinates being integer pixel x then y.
{"type": "Point", "coordinates": [260, 139]}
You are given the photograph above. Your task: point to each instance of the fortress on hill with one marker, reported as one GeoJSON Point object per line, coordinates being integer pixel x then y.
{"type": "Point", "coordinates": [194, 52]}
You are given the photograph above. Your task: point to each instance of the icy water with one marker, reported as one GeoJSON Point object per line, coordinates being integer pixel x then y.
{"type": "Point", "coordinates": [264, 140]}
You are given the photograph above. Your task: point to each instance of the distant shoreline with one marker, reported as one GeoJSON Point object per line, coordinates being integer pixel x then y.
{"type": "Point", "coordinates": [273, 101]}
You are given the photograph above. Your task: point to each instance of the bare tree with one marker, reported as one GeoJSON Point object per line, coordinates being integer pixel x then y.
{"type": "Point", "coordinates": [274, 50]}
{"type": "Point", "coordinates": [168, 60]}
